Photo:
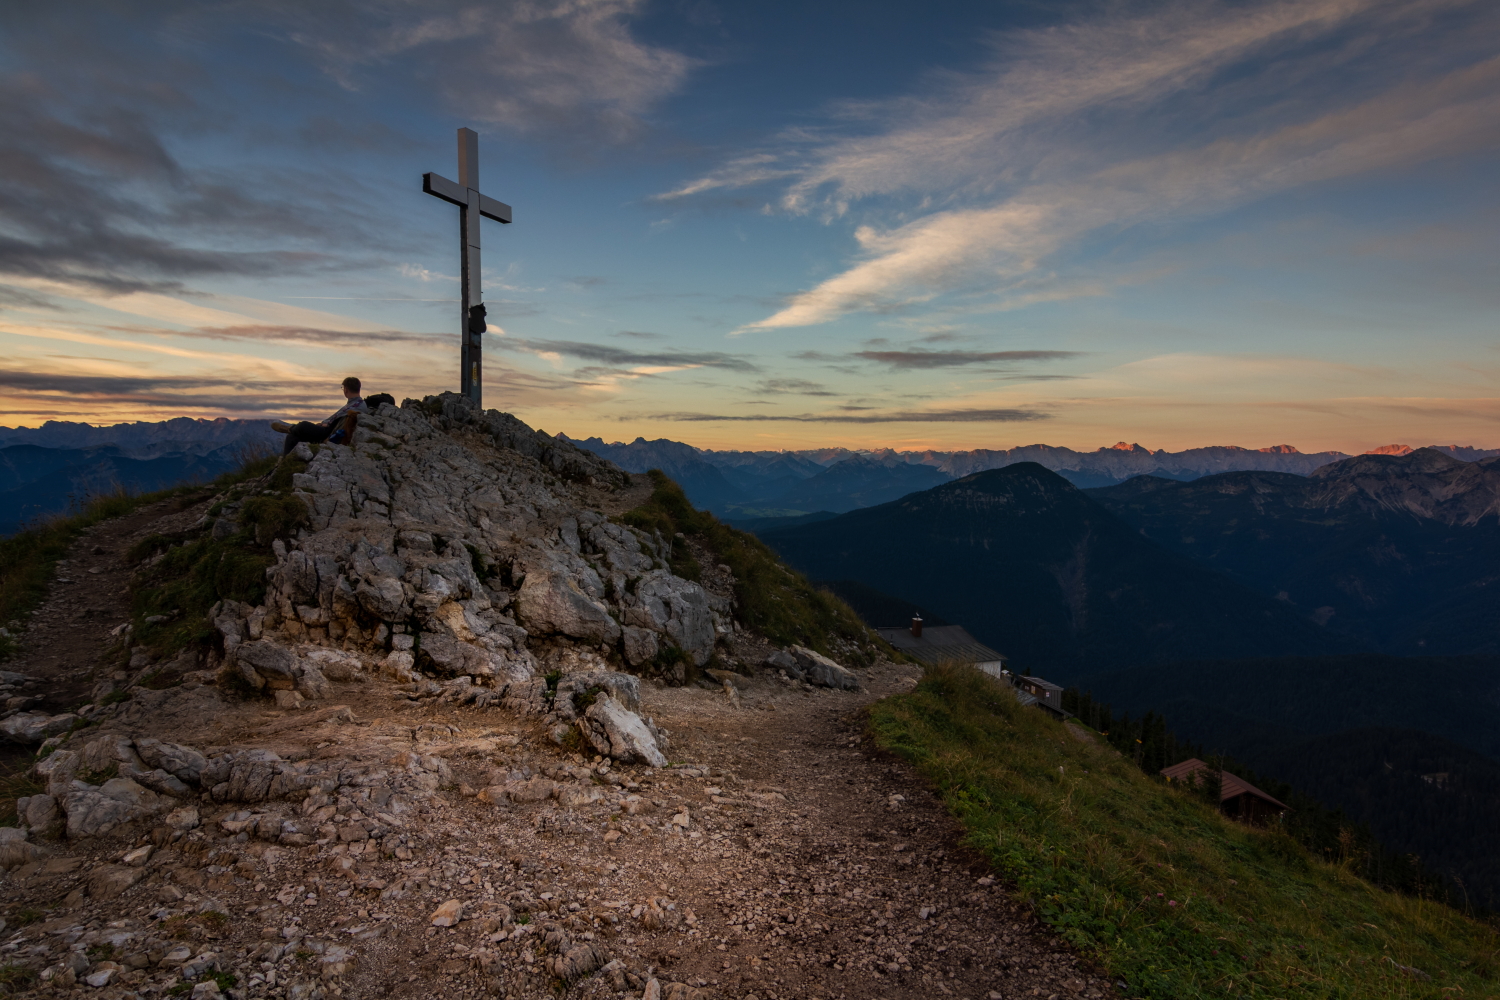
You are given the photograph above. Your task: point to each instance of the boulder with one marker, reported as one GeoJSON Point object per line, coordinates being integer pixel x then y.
{"type": "Point", "coordinates": [782, 660]}
{"type": "Point", "coordinates": [274, 663]}
{"type": "Point", "coordinates": [383, 597]}
{"type": "Point", "coordinates": [615, 731]}
{"type": "Point", "coordinates": [182, 762]}
{"type": "Point", "coordinates": [820, 670]}
{"type": "Point", "coordinates": [310, 681]}
{"type": "Point", "coordinates": [33, 727]}
{"type": "Point", "coordinates": [640, 645]}
{"type": "Point", "coordinates": [56, 771]}
{"type": "Point", "coordinates": [336, 665]}
{"type": "Point", "coordinates": [677, 608]}
{"type": "Point", "coordinates": [95, 811]}
{"type": "Point", "coordinates": [39, 813]}
{"type": "Point", "coordinates": [551, 601]}
{"type": "Point", "coordinates": [572, 696]}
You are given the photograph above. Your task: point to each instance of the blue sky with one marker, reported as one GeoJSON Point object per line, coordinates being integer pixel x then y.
{"type": "Point", "coordinates": [767, 225]}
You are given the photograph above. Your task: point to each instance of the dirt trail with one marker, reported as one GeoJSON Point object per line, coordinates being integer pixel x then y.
{"type": "Point", "coordinates": [781, 856]}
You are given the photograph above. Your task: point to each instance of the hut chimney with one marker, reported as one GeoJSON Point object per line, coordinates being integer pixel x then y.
{"type": "Point", "coordinates": [916, 625]}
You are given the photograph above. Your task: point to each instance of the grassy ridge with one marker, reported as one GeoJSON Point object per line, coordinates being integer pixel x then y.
{"type": "Point", "coordinates": [28, 559]}
{"type": "Point", "coordinates": [1153, 883]}
{"type": "Point", "coordinates": [773, 600]}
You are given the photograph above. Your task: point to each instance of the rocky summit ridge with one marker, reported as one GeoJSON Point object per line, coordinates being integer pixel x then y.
{"type": "Point", "coordinates": [478, 733]}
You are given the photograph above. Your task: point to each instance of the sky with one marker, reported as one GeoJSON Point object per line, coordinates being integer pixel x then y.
{"type": "Point", "coordinates": [770, 225]}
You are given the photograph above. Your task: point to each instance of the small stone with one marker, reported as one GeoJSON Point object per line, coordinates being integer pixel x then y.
{"type": "Point", "coordinates": [682, 820]}
{"type": "Point", "coordinates": [102, 974]}
{"type": "Point", "coordinates": [206, 990]}
{"type": "Point", "coordinates": [287, 699]}
{"type": "Point", "coordinates": [185, 818]}
{"type": "Point", "coordinates": [177, 955]}
{"type": "Point", "coordinates": [612, 836]}
{"type": "Point", "coordinates": [449, 914]}
{"type": "Point", "coordinates": [138, 857]}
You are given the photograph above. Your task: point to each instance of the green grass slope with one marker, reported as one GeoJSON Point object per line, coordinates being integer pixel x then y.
{"type": "Point", "coordinates": [1153, 883]}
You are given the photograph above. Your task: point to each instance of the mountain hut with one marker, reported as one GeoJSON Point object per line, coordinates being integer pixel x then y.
{"type": "Point", "coordinates": [1238, 799]}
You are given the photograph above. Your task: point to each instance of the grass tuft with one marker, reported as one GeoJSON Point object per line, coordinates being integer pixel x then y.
{"type": "Point", "coordinates": [1152, 882]}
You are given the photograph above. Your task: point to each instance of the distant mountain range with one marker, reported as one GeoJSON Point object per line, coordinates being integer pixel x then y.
{"type": "Point", "coordinates": [46, 481]}
{"type": "Point", "coordinates": [44, 470]}
{"type": "Point", "coordinates": [745, 485]}
{"type": "Point", "coordinates": [1035, 568]}
{"type": "Point", "coordinates": [1400, 552]}
{"type": "Point", "coordinates": [142, 439]}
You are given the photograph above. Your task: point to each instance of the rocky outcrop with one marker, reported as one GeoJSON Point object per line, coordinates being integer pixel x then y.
{"type": "Point", "coordinates": [820, 670]}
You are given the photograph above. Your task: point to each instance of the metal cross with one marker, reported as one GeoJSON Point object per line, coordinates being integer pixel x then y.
{"type": "Point", "coordinates": [465, 194]}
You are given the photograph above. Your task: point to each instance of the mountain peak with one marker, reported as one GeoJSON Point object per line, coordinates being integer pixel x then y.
{"type": "Point", "coordinates": [1392, 449]}
{"type": "Point", "coordinates": [1279, 449]}
{"type": "Point", "coordinates": [1122, 446]}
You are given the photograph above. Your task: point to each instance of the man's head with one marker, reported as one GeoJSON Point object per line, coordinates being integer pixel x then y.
{"type": "Point", "coordinates": [351, 387]}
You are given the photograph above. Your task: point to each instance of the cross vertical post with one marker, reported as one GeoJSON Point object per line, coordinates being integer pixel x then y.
{"type": "Point", "coordinates": [472, 207]}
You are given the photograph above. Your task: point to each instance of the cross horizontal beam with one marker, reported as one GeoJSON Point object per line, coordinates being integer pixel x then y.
{"type": "Point", "coordinates": [490, 208]}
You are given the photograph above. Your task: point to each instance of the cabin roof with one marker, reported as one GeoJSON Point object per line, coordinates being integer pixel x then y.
{"type": "Point", "coordinates": [1230, 785]}
{"type": "Point", "coordinates": [939, 644]}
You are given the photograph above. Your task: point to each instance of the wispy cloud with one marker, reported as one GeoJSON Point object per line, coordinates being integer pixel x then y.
{"type": "Point", "coordinates": [314, 337]}
{"type": "Point", "coordinates": [544, 66]}
{"type": "Point", "coordinates": [958, 359]}
{"type": "Point", "coordinates": [988, 177]}
{"type": "Point", "coordinates": [792, 387]}
{"type": "Point", "coordinates": [620, 357]}
{"type": "Point", "coordinates": [977, 416]}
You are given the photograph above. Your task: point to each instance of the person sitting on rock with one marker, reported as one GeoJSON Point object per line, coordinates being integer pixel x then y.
{"type": "Point", "coordinates": [337, 429]}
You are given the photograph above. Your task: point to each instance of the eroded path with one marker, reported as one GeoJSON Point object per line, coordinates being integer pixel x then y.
{"type": "Point", "coordinates": [781, 856]}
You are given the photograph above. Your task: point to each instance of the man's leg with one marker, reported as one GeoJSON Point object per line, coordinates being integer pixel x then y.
{"type": "Point", "coordinates": [305, 431]}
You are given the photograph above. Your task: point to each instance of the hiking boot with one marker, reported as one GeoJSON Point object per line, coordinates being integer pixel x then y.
{"type": "Point", "coordinates": [281, 426]}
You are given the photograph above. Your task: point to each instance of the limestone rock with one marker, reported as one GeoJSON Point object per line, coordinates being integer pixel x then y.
{"type": "Point", "coordinates": [310, 681]}
{"type": "Point", "coordinates": [640, 645]}
{"type": "Point", "coordinates": [182, 762]}
{"type": "Point", "coordinates": [273, 662]}
{"type": "Point", "coordinates": [56, 771]}
{"type": "Point", "coordinates": [94, 811]}
{"type": "Point", "coordinates": [615, 731]}
{"type": "Point", "coordinates": [109, 881]}
{"type": "Point", "coordinates": [531, 790]}
{"type": "Point", "coordinates": [577, 962]}
{"type": "Point", "coordinates": [39, 813]}
{"type": "Point", "coordinates": [782, 660]}
{"type": "Point", "coordinates": [553, 601]}
{"type": "Point", "coordinates": [677, 608]}
{"type": "Point", "coordinates": [33, 727]}
{"type": "Point", "coordinates": [573, 689]}
{"type": "Point", "coordinates": [449, 914]}
{"type": "Point", "coordinates": [820, 670]}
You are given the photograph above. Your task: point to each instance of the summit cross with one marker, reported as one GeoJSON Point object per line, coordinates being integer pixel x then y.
{"type": "Point", "coordinates": [465, 194]}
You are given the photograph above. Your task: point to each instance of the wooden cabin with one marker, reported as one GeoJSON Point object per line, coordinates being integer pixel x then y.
{"type": "Point", "coordinates": [1238, 799]}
